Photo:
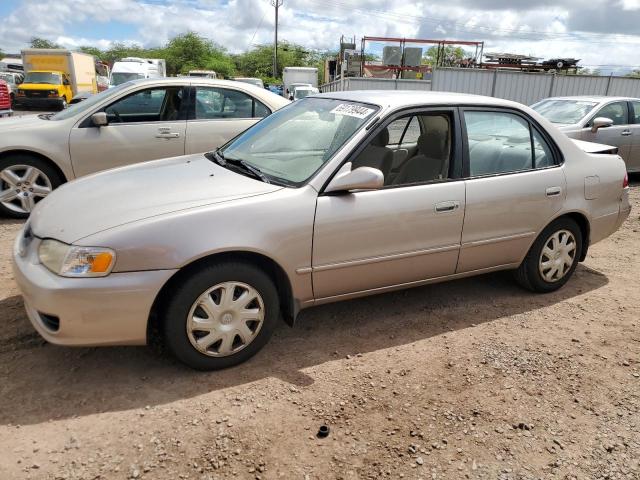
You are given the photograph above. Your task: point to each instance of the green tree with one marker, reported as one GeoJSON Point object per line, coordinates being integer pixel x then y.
{"type": "Point", "coordinates": [37, 42]}
{"type": "Point", "coordinates": [96, 52]}
{"type": "Point", "coordinates": [191, 51]}
{"type": "Point", "coordinates": [450, 55]}
{"type": "Point", "coordinates": [258, 62]}
{"type": "Point", "coordinates": [634, 74]}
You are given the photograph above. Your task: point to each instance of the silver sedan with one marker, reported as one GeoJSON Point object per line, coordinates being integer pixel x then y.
{"type": "Point", "coordinates": [333, 197]}
{"type": "Point", "coordinates": [609, 120]}
{"type": "Point", "coordinates": [131, 123]}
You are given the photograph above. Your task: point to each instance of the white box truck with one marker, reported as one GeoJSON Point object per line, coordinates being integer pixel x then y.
{"type": "Point", "coordinates": [134, 68]}
{"type": "Point", "coordinates": [53, 76]}
{"type": "Point", "coordinates": [294, 76]}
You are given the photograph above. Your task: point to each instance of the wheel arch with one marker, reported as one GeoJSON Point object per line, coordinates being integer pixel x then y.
{"type": "Point", "coordinates": [277, 274]}
{"type": "Point", "coordinates": [8, 153]}
{"type": "Point", "coordinates": [585, 228]}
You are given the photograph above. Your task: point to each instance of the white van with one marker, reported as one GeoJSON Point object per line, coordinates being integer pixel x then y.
{"type": "Point", "coordinates": [134, 68]}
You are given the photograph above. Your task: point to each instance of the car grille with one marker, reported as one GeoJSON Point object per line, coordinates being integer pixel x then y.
{"type": "Point", "coordinates": [36, 93]}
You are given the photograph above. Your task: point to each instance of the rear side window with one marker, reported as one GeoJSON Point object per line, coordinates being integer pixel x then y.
{"type": "Point", "coordinates": [635, 112]}
{"type": "Point", "coordinates": [222, 103]}
{"type": "Point", "coordinates": [502, 142]}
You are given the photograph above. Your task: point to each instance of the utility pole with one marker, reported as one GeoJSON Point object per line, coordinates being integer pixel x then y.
{"type": "Point", "coordinates": [277, 4]}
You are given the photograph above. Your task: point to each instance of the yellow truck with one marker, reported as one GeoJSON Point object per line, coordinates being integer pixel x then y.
{"type": "Point", "coordinates": [54, 76]}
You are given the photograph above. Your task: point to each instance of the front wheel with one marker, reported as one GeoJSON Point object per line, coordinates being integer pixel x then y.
{"type": "Point", "coordinates": [553, 257]}
{"type": "Point", "coordinates": [221, 315]}
{"type": "Point", "coordinates": [63, 103]}
{"type": "Point", "coordinates": [24, 181]}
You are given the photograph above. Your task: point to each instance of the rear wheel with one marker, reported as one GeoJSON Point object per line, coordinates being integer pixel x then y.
{"type": "Point", "coordinates": [553, 257]}
{"type": "Point", "coordinates": [25, 181]}
{"type": "Point", "coordinates": [221, 315]}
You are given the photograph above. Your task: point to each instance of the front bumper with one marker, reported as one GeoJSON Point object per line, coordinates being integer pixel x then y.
{"type": "Point", "coordinates": [6, 113]}
{"type": "Point", "coordinates": [111, 310]}
{"type": "Point", "coordinates": [38, 102]}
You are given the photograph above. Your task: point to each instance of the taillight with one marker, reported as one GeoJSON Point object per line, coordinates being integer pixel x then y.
{"type": "Point", "coordinates": [625, 182]}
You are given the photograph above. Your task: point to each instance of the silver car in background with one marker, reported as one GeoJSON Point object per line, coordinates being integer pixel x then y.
{"type": "Point", "coordinates": [133, 122]}
{"type": "Point", "coordinates": [333, 197]}
{"type": "Point", "coordinates": [608, 120]}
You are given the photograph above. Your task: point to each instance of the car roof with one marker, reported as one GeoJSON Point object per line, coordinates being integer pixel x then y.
{"type": "Point", "coordinates": [409, 98]}
{"type": "Point", "coordinates": [593, 98]}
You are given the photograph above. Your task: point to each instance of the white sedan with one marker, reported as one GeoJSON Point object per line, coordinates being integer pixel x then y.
{"type": "Point", "coordinates": [131, 123]}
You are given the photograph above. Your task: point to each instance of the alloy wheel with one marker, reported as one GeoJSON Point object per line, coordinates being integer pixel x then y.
{"type": "Point", "coordinates": [22, 186]}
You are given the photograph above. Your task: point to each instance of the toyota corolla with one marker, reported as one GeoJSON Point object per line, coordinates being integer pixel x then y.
{"type": "Point", "coordinates": [333, 197]}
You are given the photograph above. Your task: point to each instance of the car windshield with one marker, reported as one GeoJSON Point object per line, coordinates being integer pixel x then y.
{"type": "Point", "coordinates": [564, 111]}
{"type": "Point", "coordinates": [293, 143]}
{"type": "Point", "coordinates": [302, 92]}
{"type": "Point", "coordinates": [118, 78]}
{"type": "Point", "coordinates": [8, 78]}
{"type": "Point", "coordinates": [43, 77]}
{"type": "Point", "coordinates": [84, 105]}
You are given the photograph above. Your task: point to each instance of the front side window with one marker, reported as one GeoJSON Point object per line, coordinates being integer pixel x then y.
{"type": "Point", "coordinates": [616, 111]}
{"type": "Point", "coordinates": [220, 103]}
{"type": "Point", "coordinates": [150, 105]}
{"type": "Point", "coordinates": [295, 141]}
{"type": "Point", "coordinates": [501, 142]}
{"type": "Point", "coordinates": [429, 158]}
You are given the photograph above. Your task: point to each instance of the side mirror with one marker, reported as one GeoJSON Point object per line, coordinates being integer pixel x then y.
{"type": "Point", "coordinates": [600, 122]}
{"type": "Point", "coordinates": [363, 178]}
{"type": "Point", "coordinates": [100, 119]}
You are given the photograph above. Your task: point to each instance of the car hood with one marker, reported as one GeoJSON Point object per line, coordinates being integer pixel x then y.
{"type": "Point", "coordinates": [106, 200]}
{"type": "Point", "coordinates": [22, 122]}
{"type": "Point", "coordinates": [591, 147]}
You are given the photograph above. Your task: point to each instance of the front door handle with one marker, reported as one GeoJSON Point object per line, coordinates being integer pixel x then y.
{"type": "Point", "coordinates": [625, 133]}
{"type": "Point", "coordinates": [447, 206]}
{"type": "Point", "coordinates": [168, 135]}
{"type": "Point", "coordinates": [553, 191]}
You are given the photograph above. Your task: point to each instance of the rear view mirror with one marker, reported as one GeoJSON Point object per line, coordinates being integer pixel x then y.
{"type": "Point", "coordinates": [363, 178]}
{"type": "Point", "coordinates": [100, 119]}
{"type": "Point", "coordinates": [600, 122]}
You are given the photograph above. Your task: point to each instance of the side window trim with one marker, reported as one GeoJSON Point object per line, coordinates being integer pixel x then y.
{"type": "Point", "coordinates": [558, 159]}
{"type": "Point", "coordinates": [457, 145]}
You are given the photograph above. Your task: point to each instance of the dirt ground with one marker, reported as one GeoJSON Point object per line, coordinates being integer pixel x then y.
{"type": "Point", "coordinates": [470, 379]}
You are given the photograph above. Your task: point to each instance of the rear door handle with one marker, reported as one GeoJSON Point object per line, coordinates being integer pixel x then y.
{"type": "Point", "coordinates": [447, 206]}
{"type": "Point", "coordinates": [168, 135]}
{"type": "Point", "coordinates": [553, 191]}
{"type": "Point", "coordinates": [625, 133]}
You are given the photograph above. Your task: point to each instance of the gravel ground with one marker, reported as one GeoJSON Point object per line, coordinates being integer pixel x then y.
{"type": "Point", "coordinates": [470, 379]}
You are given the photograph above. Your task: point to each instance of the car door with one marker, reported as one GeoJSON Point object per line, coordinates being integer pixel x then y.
{"type": "Point", "coordinates": [512, 189]}
{"type": "Point", "coordinates": [633, 159]}
{"type": "Point", "coordinates": [147, 124]}
{"type": "Point", "coordinates": [619, 134]}
{"type": "Point", "coordinates": [398, 235]}
{"type": "Point", "coordinates": [218, 114]}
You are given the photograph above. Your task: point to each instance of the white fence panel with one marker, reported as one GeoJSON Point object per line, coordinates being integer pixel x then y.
{"type": "Point", "coordinates": [624, 87]}
{"type": "Point", "coordinates": [525, 88]}
{"type": "Point", "coordinates": [462, 80]}
{"type": "Point", "coordinates": [370, 84]}
{"type": "Point", "coordinates": [579, 85]}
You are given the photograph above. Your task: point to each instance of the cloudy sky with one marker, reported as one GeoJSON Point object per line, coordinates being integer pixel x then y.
{"type": "Point", "coordinates": [604, 34]}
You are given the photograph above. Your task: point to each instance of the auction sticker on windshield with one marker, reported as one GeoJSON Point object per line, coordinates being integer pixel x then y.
{"type": "Point", "coordinates": [351, 110]}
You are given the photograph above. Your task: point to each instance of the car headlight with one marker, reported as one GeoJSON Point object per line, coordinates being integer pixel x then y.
{"type": "Point", "coordinates": [76, 261]}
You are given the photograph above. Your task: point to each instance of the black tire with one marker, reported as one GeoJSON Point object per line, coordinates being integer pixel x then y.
{"type": "Point", "coordinates": [528, 275]}
{"type": "Point", "coordinates": [63, 103]}
{"type": "Point", "coordinates": [25, 159]}
{"type": "Point", "coordinates": [174, 316]}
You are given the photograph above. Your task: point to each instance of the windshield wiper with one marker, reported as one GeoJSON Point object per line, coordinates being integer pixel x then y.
{"type": "Point", "coordinates": [220, 159]}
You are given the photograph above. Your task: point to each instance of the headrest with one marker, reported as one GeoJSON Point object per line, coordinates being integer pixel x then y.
{"type": "Point", "coordinates": [382, 139]}
{"type": "Point", "coordinates": [432, 144]}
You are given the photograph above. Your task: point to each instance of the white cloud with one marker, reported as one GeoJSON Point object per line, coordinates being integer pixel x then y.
{"type": "Point", "coordinates": [538, 28]}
